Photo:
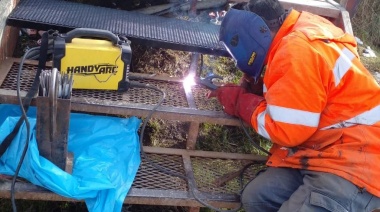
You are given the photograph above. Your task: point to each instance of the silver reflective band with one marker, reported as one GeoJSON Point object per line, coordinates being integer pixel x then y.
{"type": "Point", "coordinates": [369, 117]}
{"type": "Point", "coordinates": [293, 116]}
{"type": "Point", "coordinates": [342, 65]}
{"type": "Point", "coordinates": [261, 125]}
{"type": "Point", "coordinates": [264, 88]}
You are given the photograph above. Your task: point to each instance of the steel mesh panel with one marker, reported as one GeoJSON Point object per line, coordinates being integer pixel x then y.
{"type": "Point", "coordinates": [207, 170]}
{"type": "Point", "coordinates": [26, 80]}
{"type": "Point", "coordinates": [159, 31]}
{"type": "Point", "coordinates": [202, 102]}
{"type": "Point", "coordinates": [149, 177]}
{"type": "Point", "coordinates": [104, 95]}
{"type": "Point", "coordinates": [175, 95]}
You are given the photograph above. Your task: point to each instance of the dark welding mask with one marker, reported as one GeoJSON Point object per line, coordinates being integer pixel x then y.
{"type": "Point", "coordinates": [247, 38]}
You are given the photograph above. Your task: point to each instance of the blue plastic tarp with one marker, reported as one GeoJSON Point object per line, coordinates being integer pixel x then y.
{"type": "Point", "coordinates": [106, 157]}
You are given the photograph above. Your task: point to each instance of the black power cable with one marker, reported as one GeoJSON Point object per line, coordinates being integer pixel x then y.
{"type": "Point", "coordinates": [25, 118]}
{"type": "Point", "coordinates": [32, 53]}
{"type": "Point", "coordinates": [257, 146]}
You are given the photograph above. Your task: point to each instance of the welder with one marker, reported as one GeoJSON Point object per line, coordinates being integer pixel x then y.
{"type": "Point", "coordinates": [320, 108]}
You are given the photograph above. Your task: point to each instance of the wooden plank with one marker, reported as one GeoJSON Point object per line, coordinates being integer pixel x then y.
{"type": "Point", "coordinates": [7, 36]}
{"type": "Point", "coordinates": [345, 22]}
{"type": "Point", "coordinates": [350, 5]}
{"type": "Point", "coordinates": [194, 209]}
{"type": "Point", "coordinates": [319, 7]}
{"type": "Point", "coordinates": [28, 191]}
{"type": "Point", "coordinates": [207, 154]}
{"type": "Point", "coordinates": [8, 42]}
{"type": "Point", "coordinates": [139, 110]}
{"type": "Point", "coordinates": [192, 135]}
{"type": "Point", "coordinates": [5, 66]}
{"type": "Point", "coordinates": [142, 195]}
{"type": "Point", "coordinates": [343, 3]}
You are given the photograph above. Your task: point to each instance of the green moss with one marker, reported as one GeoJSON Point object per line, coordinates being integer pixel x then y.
{"type": "Point", "coordinates": [229, 139]}
{"type": "Point", "coordinates": [222, 66]}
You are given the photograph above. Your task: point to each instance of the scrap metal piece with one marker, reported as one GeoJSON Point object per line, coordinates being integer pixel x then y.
{"type": "Point", "coordinates": [53, 116]}
{"type": "Point", "coordinates": [52, 142]}
{"type": "Point", "coordinates": [208, 81]}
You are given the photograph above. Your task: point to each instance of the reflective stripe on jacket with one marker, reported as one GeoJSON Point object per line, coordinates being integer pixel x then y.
{"type": "Point", "coordinates": [322, 108]}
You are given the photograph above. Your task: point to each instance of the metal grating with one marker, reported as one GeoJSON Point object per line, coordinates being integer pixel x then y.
{"type": "Point", "coordinates": [149, 177]}
{"type": "Point", "coordinates": [105, 95]}
{"type": "Point", "coordinates": [202, 102]}
{"type": "Point", "coordinates": [27, 77]}
{"type": "Point", "coordinates": [145, 29]}
{"type": "Point", "coordinates": [175, 95]}
{"type": "Point", "coordinates": [207, 170]}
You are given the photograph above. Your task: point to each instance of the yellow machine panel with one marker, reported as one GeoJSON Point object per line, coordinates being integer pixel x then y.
{"type": "Point", "coordinates": [95, 63]}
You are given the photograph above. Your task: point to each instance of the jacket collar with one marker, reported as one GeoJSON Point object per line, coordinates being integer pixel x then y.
{"type": "Point", "coordinates": [285, 28]}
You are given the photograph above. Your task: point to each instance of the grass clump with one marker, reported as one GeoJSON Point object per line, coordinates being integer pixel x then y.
{"type": "Point", "coordinates": [222, 66]}
{"type": "Point", "coordinates": [366, 22]}
{"type": "Point", "coordinates": [229, 139]}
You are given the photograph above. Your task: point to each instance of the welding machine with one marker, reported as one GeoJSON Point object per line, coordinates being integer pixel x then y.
{"type": "Point", "coordinates": [97, 59]}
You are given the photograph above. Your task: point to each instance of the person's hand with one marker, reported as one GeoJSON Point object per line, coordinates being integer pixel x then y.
{"type": "Point", "coordinates": [228, 96]}
{"type": "Point", "coordinates": [251, 85]}
{"type": "Point", "coordinates": [236, 101]}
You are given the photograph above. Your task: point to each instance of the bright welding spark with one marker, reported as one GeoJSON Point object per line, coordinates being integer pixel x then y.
{"type": "Point", "coordinates": [189, 81]}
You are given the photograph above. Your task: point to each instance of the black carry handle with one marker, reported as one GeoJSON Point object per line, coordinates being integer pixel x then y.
{"type": "Point", "coordinates": [88, 32]}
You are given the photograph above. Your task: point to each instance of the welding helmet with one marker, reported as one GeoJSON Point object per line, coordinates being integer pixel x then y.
{"type": "Point", "coordinates": [247, 38]}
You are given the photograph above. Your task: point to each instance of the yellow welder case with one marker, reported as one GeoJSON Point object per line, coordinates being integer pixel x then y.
{"type": "Point", "coordinates": [98, 59]}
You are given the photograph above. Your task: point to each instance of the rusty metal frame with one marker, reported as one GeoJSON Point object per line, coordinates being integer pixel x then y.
{"type": "Point", "coordinates": [318, 7]}
{"type": "Point", "coordinates": [189, 114]}
{"type": "Point", "coordinates": [25, 190]}
{"type": "Point", "coordinates": [139, 194]}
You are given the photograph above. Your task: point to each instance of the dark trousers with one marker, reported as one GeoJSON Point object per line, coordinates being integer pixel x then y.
{"type": "Point", "coordinates": [290, 190]}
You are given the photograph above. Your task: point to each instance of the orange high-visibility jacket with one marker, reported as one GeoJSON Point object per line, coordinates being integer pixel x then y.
{"type": "Point", "coordinates": [322, 106]}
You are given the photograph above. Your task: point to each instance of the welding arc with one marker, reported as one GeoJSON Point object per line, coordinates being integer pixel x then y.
{"type": "Point", "coordinates": [257, 146]}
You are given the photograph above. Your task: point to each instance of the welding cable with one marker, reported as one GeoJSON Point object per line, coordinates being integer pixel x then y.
{"type": "Point", "coordinates": [27, 124]}
{"type": "Point", "coordinates": [37, 54]}
{"type": "Point", "coordinates": [257, 146]}
{"type": "Point", "coordinates": [32, 53]}
{"type": "Point", "coordinates": [143, 154]}
{"type": "Point", "coordinates": [162, 169]}
{"type": "Point", "coordinates": [29, 54]}
{"type": "Point", "coordinates": [35, 51]}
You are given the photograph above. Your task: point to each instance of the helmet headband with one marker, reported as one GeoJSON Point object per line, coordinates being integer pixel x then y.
{"type": "Point", "coordinates": [247, 38]}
